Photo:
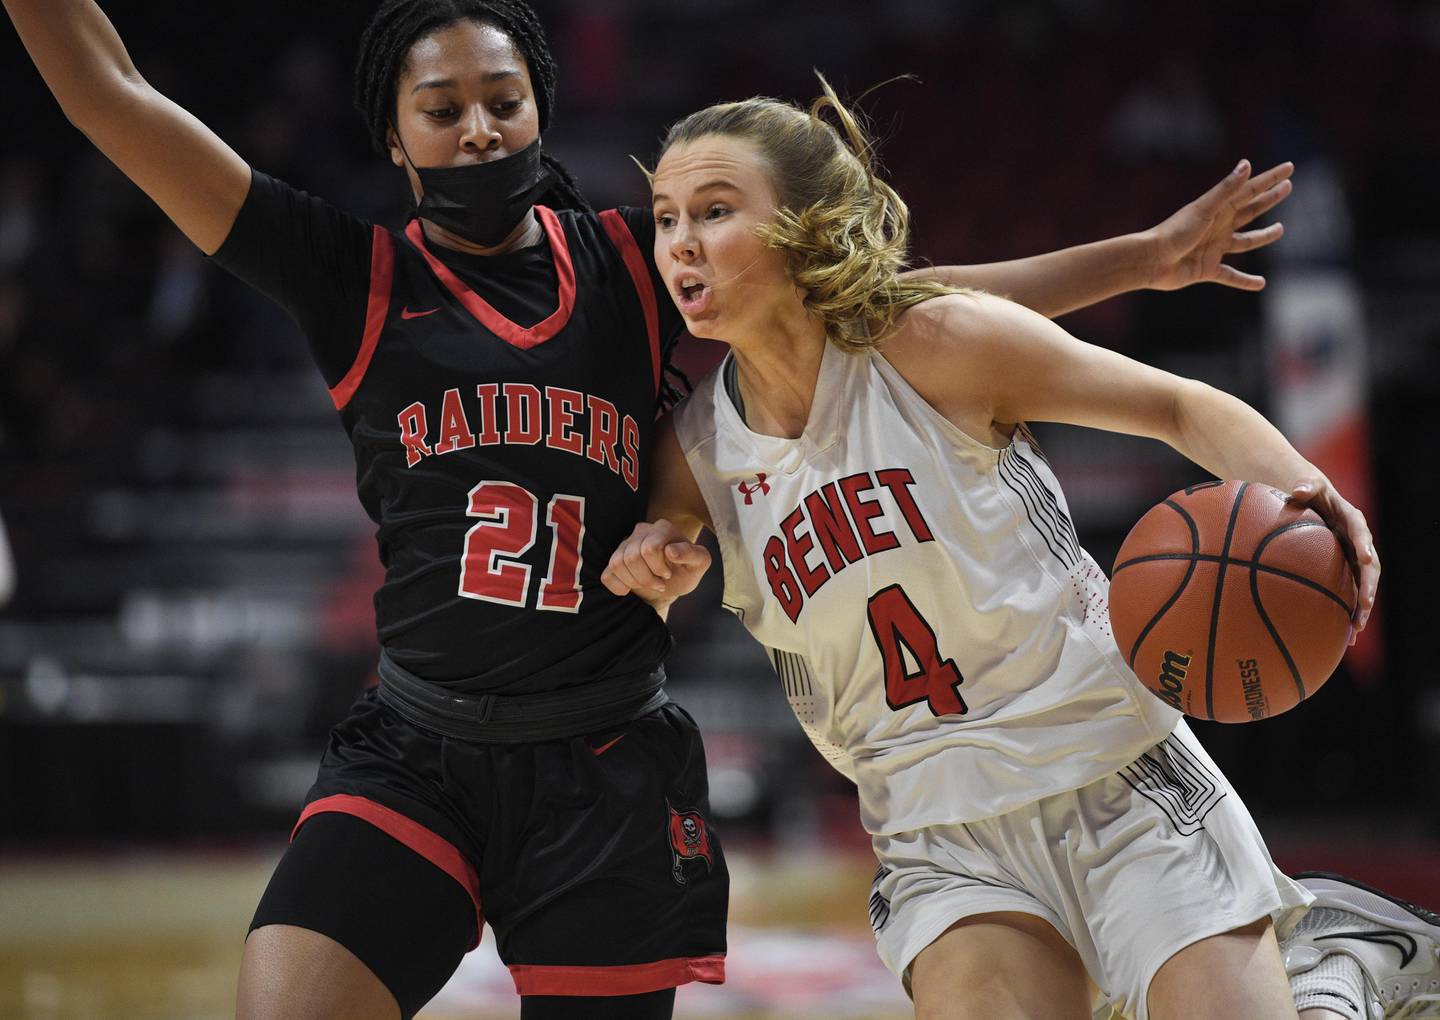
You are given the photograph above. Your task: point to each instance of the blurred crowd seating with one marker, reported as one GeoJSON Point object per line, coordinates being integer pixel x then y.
{"type": "Point", "coordinates": [193, 568]}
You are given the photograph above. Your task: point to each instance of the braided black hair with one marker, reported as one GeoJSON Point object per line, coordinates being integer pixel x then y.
{"type": "Point", "coordinates": [398, 24]}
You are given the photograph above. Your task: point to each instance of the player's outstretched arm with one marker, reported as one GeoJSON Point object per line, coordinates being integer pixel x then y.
{"type": "Point", "coordinates": [1188, 247]}
{"type": "Point", "coordinates": [980, 360]}
{"type": "Point", "coordinates": [660, 560]}
{"type": "Point", "coordinates": [198, 180]}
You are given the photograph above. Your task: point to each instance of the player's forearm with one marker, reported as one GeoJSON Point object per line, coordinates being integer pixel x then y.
{"type": "Point", "coordinates": [1230, 439]}
{"type": "Point", "coordinates": [1060, 281]}
{"type": "Point", "coordinates": [78, 53]}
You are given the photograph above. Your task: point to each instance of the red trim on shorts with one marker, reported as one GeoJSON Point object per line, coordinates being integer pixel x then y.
{"type": "Point", "coordinates": [382, 274]}
{"type": "Point", "coordinates": [510, 332]}
{"type": "Point", "coordinates": [630, 979]}
{"type": "Point", "coordinates": [624, 241]}
{"type": "Point", "coordinates": [435, 849]}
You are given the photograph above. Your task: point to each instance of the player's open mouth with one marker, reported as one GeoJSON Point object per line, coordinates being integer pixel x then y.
{"type": "Point", "coordinates": [692, 295]}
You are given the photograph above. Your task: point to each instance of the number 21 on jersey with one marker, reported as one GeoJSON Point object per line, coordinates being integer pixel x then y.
{"type": "Point", "coordinates": [508, 523]}
{"type": "Point", "coordinates": [898, 628]}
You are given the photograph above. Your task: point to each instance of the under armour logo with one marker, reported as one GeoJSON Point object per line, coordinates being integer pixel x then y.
{"type": "Point", "coordinates": [748, 489]}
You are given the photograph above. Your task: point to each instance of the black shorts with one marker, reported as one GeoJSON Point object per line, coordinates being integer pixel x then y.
{"type": "Point", "coordinates": [591, 857]}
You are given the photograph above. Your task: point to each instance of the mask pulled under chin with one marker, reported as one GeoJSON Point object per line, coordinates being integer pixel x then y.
{"type": "Point", "coordinates": [482, 202]}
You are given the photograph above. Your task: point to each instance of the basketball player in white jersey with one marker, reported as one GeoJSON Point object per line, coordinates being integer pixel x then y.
{"type": "Point", "coordinates": [895, 539]}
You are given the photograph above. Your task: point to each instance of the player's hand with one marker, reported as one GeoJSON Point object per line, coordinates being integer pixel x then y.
{"type": "Point", "coordinates": [1354, 534]}
{"type": "Point", "coordinates": [1189, 246]}
{"type": "Point", "coordinates": [657, 563]}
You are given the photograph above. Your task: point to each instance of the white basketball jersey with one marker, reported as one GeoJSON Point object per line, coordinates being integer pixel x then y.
{"type": "Point", "coordinates": [940, 633]}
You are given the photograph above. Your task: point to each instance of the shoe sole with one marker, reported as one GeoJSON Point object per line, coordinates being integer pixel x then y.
{"type": "Point", "coordinates": [1374, 905]}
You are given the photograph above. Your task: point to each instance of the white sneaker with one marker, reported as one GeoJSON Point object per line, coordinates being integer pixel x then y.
{"type": "Point", "coordinates": [1396, 944]}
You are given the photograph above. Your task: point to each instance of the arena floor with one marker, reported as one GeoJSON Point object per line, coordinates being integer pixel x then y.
{"type": "Point", "coordinates": [156, 935]}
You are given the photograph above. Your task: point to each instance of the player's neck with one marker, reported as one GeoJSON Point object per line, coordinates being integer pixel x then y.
{"type": "Point", "coordinates": [777, 384]}
{"type": "Point", "coordinates": [527, 232]}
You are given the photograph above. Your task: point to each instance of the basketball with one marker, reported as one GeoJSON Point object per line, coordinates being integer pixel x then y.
{"type": "Point", "coordinates": [1230, 602]}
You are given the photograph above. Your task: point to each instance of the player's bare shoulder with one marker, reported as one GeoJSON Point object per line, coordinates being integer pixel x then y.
{"type": "Point", "coordinates": [945, 347]}
{"type": "Point", "coordinates": [955, 327]}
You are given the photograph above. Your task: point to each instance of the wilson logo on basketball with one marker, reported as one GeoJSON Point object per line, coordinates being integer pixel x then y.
{"type": "Point", "coordinates": [748, 489]}
{"type": "Point", "coordinates": [1172, 678]}
{"type": "Point", "coordinates": [689, 841]}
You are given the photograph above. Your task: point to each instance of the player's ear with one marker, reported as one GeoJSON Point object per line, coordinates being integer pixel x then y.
{"type": "Point", "coordinates": [397, 155]}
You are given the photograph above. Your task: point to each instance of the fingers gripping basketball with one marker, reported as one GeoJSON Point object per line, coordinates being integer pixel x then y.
{"type": "Point", "coordinates": [1230, 602]}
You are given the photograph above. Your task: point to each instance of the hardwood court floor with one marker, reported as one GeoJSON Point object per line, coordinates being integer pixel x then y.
{"type": "Point", "coordinates": [157, 936]}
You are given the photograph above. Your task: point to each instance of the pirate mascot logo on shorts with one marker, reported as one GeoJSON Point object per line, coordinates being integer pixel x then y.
{"type": "Point", "coordinates": [689, 841]}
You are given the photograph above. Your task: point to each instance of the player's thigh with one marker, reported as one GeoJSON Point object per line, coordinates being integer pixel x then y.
{"type": "Point", "coordinates": [291, 972]}
{"type": "Point", "coordinates": [1236, 975]}
{"type": "Point", "coordinates": [1003, 966]}
{"type": "Point", "coordinates": [352, 924]}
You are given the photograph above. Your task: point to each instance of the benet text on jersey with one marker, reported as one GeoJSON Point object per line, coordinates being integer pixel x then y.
{"type": "Point", "coordinates": [841, 516]}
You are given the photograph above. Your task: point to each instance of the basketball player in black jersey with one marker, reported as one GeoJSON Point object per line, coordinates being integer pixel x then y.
{"type": "Point", "coordinates": [497, 365]}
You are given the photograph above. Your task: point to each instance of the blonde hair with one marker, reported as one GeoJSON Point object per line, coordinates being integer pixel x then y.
{"type": "Point", "coordinates": [844, 231]}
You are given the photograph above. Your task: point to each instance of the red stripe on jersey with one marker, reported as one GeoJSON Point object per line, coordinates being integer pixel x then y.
{"type": "Point", "coordinates": [382, 273]}
{"type": "Point", "coordinates": [631, 979]}
{"type": "Point", "coordinates": [624, 242]}
{"type": "Point", "coordinates": [435, 849]}
{"type": "Point", "coordinates": [511, 333]}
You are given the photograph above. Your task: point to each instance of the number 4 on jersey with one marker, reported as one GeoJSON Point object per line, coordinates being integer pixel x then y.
{"type": "Point", "coordinates": [899, 628]}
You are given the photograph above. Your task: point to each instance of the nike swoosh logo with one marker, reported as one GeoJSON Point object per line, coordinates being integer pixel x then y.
{"type": "Point", "coordinates": [1336, 995]}
{"type": "Point", "coordinates": [598, 751]}
{"type": "Point", "coordinates": [406, 313]}
{"type": "Point", "coordinates": [1397, 940]}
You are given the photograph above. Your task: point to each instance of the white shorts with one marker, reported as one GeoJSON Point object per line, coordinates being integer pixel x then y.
{"type": "Point", "coordinates": [1130, 870]}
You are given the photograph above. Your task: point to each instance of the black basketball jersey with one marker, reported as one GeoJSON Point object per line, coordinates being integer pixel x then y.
{"type": "Point", "coordinates": [503, 463]}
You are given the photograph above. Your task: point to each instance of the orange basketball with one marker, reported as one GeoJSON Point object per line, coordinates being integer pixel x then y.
{"type": "Point", "coordinates": [1231, 602]}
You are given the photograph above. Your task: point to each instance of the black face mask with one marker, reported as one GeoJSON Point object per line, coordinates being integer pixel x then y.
{"type": "Point", "coordinates": [482, 202]}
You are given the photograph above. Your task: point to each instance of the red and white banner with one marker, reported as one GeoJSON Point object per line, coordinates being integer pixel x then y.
{"type": "Point", "coordinates": [1317, 355]}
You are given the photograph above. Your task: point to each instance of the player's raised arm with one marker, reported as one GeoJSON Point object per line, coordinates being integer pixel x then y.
{"type": "Point", "coordinates": [198, 180]}
{"type": "Point", "coordinates": [1187, 247]}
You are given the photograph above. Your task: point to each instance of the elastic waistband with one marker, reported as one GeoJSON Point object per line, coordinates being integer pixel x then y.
{"type": "Point", "coordinates": [520, 718]}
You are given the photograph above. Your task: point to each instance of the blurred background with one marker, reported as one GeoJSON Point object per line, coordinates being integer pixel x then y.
{"type": "Point", "coordinates": [189, 607]}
